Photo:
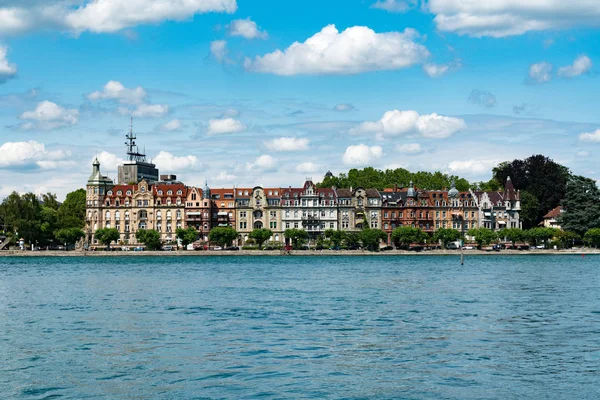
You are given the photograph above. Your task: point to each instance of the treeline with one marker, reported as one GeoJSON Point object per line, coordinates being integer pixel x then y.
{"type": "Point", "coordinates": [374, 178]}
{"type": "Point", "coordinates": [41, 220]}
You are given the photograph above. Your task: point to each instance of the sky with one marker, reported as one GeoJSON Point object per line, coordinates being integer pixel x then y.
{"type": "Point", "coordinates": [247, 92]}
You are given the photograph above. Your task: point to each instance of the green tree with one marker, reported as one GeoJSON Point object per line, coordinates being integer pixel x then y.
{"type": "Point", "coordinates": [370, 177]}
{"type": "Point", "coordinates": [71, 213]}
{"type": "Point", "coordinates": [446, 235]}
{"type": "Point", "coordinates": [352, 240]}
{"type": "Point", "coordinates": [513, 235]}
{"type": "Point", "coordinates": [222, 235]}
{"type": "Point", "coordinates": [541, 177]}
{"type": "Point", "coordinates": [336, 237]}
{"type": "Point", "coordinates": [371, 238]}
{"type": "Point", "coordinates": [297, 236]}
{"type": "Point", "coordinates": [69, 236]}
{"type": "Point", "coordinates": [49, 200]}
{"type": "Point", "coordinates": [404, 236]}
{"type": "Point", "coordinates": [260, 235]}
{"type": "Point", "coordinates": [187, 236]}
{"type": "Point", "coordinates": [530, 208]}
{"type": "Point", "coordinates": [483, 236]}
{"type": "Point", "coordinates": [107, 235]}
{"type": "Point", "coordinates": [592, 237]}
{"type": "Point", "coordinates": [150, 238]}
{"type": "Point", "coordinates": [541, 235]}
{"type": "Point", "coordinates": [567, 239]}
{"type": "Point", "coordinates": [581, 206]}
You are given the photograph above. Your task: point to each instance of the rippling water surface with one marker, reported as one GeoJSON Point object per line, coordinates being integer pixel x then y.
{"type": "Point", "coordinates": [300, 327]}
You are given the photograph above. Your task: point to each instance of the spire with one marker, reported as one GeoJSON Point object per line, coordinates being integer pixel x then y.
{"type": "Point", "coordinates": [509, 190]}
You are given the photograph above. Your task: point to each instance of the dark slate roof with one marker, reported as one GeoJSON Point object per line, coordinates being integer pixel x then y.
{"type": "Point", "coordinates": [372, 193]}
{"type": "Point", "coordinates": [343, 193]}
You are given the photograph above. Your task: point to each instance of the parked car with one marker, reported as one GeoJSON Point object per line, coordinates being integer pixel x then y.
{"type": "Point", "coordinates": [468, 247]}
{"type": "Point", "coordinates": [168, 248]}
{"type": "Point", "coordinates": [139, 248]}
{"type": "Point", "coordinates": [540, 247]}
{"type": "Point", "coordinates": [217, 248]}
{"type": "Point", "coordinates": [386, 248]}
{"type": "Point", "coordinates": [232, 248]}
{"type": "Point", "coordinates": [497, 247]}
{"type": "Point", "coordinates": [335, 248]}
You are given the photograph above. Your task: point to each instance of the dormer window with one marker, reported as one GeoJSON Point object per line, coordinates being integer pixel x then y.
{"type": "Point", "coordinates": [170, 192]}
{"type": "Point", "coordinates": [119, 193]}
{"type": "Point", "coordinates": [129, 193]}
{"type": "Point", "coordinates": [142, 189]}
{"type": "Point", "coordinates": [239, 192]}
{"type": "Point", "coordinates": [276, 193]}
{"type": "Point", "coordinates": [160, 192]}
{"type": "Point", "coordinates": [109, 193]}
{"type": "Point", "coordinates": [179, 192]}
{"type": "Point", "coordinates": [245, 193]}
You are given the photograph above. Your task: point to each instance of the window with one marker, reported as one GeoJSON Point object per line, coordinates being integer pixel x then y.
{"type": "Point", "coordinates": [107, 216]}
{"type": "Point", "coordinates": [331, 225]}
{"type": "Point", "coordinates": [193, 196]}
{"type": "Point", "coordinates": [243, 225]}
{"type": "Point", "coordinates": [119, 193]}
{"type": "Point", "coordinates": [242, 214]}
{"type": "Point", "coordinates": [179, 192]}
{"type": "Point", "coordinates": [170, 192]}
{"type": "Point", "coordinates": [296, 225]}
{"type": "Point", "coordinates": [129, 193]}
{"type": "Point", "coordinates": [287, 225]}
{"type": "Point", "coordinates": [273, 214]}
{"type": "Point", "coordinates": [273, 225]}
{"type": "Point", "coordinates": [142, 189]}
{"type": "Point", "coordinates": [160, 192]}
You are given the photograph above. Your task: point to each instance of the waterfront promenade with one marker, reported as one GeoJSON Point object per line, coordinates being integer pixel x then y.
{"type": "Point", "coordinates": [224, 253]}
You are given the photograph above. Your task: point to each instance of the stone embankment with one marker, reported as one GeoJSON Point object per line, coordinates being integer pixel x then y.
{"type": "Point", "coordinates": [190, 253]}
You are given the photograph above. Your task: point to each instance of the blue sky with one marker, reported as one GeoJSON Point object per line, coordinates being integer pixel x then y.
{"type": "Point", "coordinates": [247, 92]}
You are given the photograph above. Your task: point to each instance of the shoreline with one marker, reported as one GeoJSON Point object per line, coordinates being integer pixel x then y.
{"type": "Point", "coordinates": [301, 253]}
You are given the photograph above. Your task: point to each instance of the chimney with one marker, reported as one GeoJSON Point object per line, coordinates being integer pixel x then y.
{"type": "Point", "coordinates": [395, 187]}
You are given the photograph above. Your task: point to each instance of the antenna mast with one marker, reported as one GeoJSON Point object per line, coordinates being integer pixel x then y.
{"type": "Point", "coordinates": [133, 152]}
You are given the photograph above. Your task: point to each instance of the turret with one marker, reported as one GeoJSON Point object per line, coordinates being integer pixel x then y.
{"type": "Point", "coordinates": [411, 190]}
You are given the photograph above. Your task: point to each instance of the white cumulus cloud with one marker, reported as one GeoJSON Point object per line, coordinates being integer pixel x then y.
{"type": "Point", "coordinates": [114, 90]}
{"type": "Point", "coordinates": [540, 72]}
{"type": "Point", "coordinates": [409, 148]}
{"type": "Point", "coordinates": [499, 18]}
{"type": "Point", "coordinates": [307, 167]}
{"type": "Point", "coordinates": [47, 116]}
{"type": "Point", "coordinates": [224, 176]}
{"type": "Point", "coordinates": [218, 48]}
{"type": "Point", "coordinates": [361, 154]}
{"type": "Point", "coordinates": [590, 136]}
{"type": "Point", "coordinates": [581, 65]}
{"type": "Point", "coordinates": [396, 6]}
{"type": "Point", "coordinates": [355, 50]}
{"type": "Point", "coordinates": [263, 163]}
{"type": "Point", "coordinates": [288, 144]}
{"type": "Point", "coordinates": [171, 126]}
{"type": "Point", "coordinates": [396, 123]}
{"type": "Point", "coordinates": [168, 162]}
{"type": "Point", "coordinates": [7, 70]}
{"type": "Point", "coordinates": [247, 29]}
{"type": "Point", "coordinates": [30, 155]}
{"type": "Point", "coordinates": [472, 167]}
{"type": "Point", "coordinates": [109, 162]}
{"type": "Point", "coordinates": [225, 126]}
{"type": "Point", "coordinates": [102, 16]}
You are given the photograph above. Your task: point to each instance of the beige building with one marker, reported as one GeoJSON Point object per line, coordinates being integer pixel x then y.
{"type": "Point", "coordinates": [129, 208]}
{"type": "Point", "coordinates": [258, 208]}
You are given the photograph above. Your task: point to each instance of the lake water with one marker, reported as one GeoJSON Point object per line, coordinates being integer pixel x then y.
{"type": "Point", "coordinates": [499, 327]}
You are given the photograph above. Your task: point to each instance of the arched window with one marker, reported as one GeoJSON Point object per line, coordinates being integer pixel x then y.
{"type": "Point", "coordinates": [107, 216]}
{"type": "Point", "coordinates": [119, 193]}
{"type": "Point", "coordinates": [169, 214]}
{"type": "Point", "coordinates": [117, 215]}
{"type": "Point", "coordinates": [158, 214]}
{"type": "Point", "coordinates": [170, 192]}
{"type": "Point", "coordinates": [142, 225]}
{"type": "Point", "coordinates": [179, 192]}
{"type": "Point", "coordinates": [143, 214]}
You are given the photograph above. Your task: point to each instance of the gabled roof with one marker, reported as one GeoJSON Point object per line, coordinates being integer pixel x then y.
{"type": "Point", "coordinates": [372, 193]}
{"type": "Point", "coordinates": [555, 212]}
